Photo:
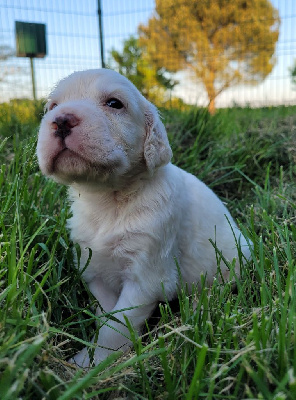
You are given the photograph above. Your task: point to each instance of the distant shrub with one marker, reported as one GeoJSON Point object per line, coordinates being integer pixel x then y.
{"type": "Point", "coordinates": [19, 120]}
{"type": "Point", "coordinates": [19, 114]}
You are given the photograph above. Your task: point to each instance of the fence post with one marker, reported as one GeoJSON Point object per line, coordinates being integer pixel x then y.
{"type": "Point", "coordinates": [33, 78]}
{"type": "Point", "coordinates": [101, 34]}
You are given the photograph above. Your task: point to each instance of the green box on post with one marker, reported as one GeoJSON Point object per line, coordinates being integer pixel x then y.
{"type": "Point", "coordinates": [30, 39]}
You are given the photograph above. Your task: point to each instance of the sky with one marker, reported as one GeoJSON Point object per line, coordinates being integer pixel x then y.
{"type": "Point", "coordinates": [73, 44]}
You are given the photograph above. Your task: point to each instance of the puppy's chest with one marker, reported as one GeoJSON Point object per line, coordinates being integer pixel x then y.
{"type": "Point", "coordinates": [112, 246]}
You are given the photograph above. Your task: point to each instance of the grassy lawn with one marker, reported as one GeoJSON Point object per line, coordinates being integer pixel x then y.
{"type": "Point", "coordinates": [239, 343]}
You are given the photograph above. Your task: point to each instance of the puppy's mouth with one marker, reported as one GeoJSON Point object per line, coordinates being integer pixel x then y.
{"type": "Point", "coordinates": [74, 165]}
{"type": "Point", "coordinates": [65, 153]}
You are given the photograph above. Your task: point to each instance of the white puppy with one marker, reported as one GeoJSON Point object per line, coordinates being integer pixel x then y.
{"type": "Point", "coordinates": [142, 217]}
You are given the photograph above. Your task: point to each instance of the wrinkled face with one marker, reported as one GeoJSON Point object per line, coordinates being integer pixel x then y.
{"type": "Point", "coordinates": [94, 129]}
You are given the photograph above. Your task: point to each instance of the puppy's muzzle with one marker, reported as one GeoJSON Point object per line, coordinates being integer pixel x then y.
{"type": "Point", "coordinates": [63, 125]}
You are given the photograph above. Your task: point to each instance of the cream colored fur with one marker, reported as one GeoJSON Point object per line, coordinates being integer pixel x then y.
{"type": "Point", "coordinates": [140, 215]}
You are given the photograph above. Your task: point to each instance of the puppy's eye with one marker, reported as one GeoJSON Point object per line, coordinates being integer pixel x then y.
{"type": "Point", "coordinates": [52, 106]}
{"type": "Point", "coordinates": [114, 103]}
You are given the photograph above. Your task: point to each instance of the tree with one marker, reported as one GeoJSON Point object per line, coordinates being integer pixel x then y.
{"type": "Point", "coordinates": [133, 63]}
{"type": "Point", "coordinates": [293, 74]}
{"type": "Point", "coordinates": [6, 53]}
{"type": "Point", "coordinates": [9, 69]}
{"type": "Point", "coordinates": [224, 43]}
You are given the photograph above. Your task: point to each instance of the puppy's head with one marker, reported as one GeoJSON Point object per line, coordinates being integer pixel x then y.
{"type": "Point", "coordinates": [99, 129]}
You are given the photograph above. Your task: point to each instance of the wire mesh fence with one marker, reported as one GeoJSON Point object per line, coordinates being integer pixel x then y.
{"type": "Point", "coordinates": [73, 43]}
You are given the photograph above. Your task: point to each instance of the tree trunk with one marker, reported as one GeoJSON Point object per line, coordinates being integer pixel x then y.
{"type": "Point", "coordinates": [209, 83]}
{"type": "Point", "coordinates": [212, 106]}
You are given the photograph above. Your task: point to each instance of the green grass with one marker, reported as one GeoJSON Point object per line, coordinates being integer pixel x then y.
{"type": "Point", "coordinates": [237, 344]}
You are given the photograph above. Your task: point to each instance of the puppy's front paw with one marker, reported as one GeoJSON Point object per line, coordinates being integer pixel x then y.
{"type": "Point", "coordinates": [81, 359]}
{"type": "Point", "coordinates": [84, 360]}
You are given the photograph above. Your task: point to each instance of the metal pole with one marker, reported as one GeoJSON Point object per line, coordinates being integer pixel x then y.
{"type": "Point", "coordinates": [33, 78]}
{"type": "Point", "coordinates": [101, 33]}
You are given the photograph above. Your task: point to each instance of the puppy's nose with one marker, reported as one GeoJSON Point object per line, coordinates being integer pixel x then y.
{"type": "Point", "coordinates": [63, 124]}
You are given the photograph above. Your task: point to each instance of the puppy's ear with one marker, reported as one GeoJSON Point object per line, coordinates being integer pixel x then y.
{"type": "Point", "coordinates": [157, 151]}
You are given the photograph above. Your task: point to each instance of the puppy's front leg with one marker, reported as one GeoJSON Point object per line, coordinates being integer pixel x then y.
{"type": "Point", "coordinates": [114, 335]}
{"type": "Point", "coordinates": [106, 297]}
